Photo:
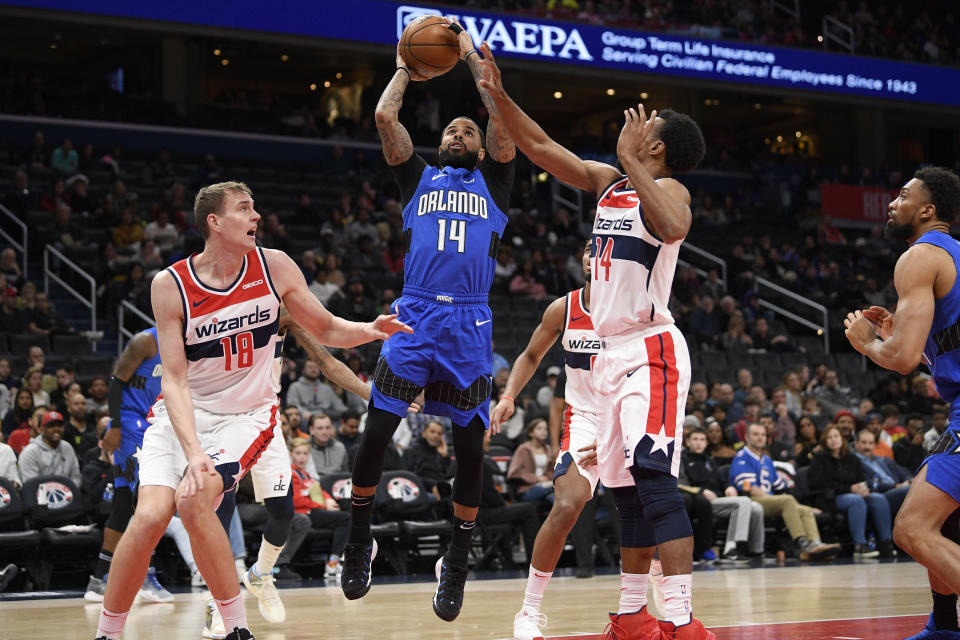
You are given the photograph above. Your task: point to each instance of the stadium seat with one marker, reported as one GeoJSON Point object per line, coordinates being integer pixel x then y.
{"type": "Point", "coordinates": [20, 343]}
{"type": "Point", "coordinates": [18, 542]}
{"type": "Point", "coordinates": [401, 496]}
{"type": "Point", "coordinates": [69, 344]}
{"type": "Point", "coordinates": [91, 365]}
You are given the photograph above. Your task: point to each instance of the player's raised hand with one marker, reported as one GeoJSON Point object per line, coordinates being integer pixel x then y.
{"type": "Point", "coordinates": [463, 38]}
{"type": "Point", "coordinates": [401, 63]}
{"type": "Point", "coordinates": [385, 326]}
{"type": "Point", "coordinates": [501, 413]}
{"type": "Point", "coordinates": [636, 131]}
{"type": "Point", "coordinates": [491, 81]}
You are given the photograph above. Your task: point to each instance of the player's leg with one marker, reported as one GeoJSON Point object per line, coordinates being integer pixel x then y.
{"type": "Point", "coordinates": [132, 557]}
{"type": "Point", "coordinates": [120, 513]}
{"type": "Point", "coordinates": [467, 486]}
{"type": "Point", "coordinates": [942, 623]}
{"type": "Point", "coordinates": [930, 501]}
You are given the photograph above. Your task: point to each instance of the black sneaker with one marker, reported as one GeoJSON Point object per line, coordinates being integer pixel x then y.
{"type": "Point", "coordinates": [584, 572]}
{"type": "Point", "coordinates": [732, 557]}
{"type": "Point", "coordinates": [7, 575]}
{"type": "Point", "coordinates": [448, 599]}
{"type": "Point", "coordinates": [239, 634]}
{"type": "Point", "coordinates": [356, 576]}
{"type": "Point", "coordinates": [286, 574]}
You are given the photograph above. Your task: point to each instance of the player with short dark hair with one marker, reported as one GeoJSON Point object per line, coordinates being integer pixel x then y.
{"type": "Point", "coordinates": [453, 219]}
{"type": "Point", "coordinates": [924, 328]}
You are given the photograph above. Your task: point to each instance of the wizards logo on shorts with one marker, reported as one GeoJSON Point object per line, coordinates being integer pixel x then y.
{"type": "Point", "coordinates": [403, 489]}
{"type": "Point", "coordinates": [55, 495]}
{"type": "Point", "coordinates": [5, 498]}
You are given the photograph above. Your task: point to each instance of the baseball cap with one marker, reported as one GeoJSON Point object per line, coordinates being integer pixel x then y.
{"type": "Point", "coordinates": [692, 421]}
{"type": "Point", "coordinates": [52, 416]}
{"type": "Point", "coordinates": [709, 421]}
{"type": "Point", "coordinates": [843, 412]}
{"type": "Point", "coordinates": [553, 371]}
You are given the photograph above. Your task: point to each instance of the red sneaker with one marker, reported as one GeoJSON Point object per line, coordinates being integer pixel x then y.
{"type": "Point", "coordinates": [693, 630]}
{"type": "Point", "coordinates": [639, 625]}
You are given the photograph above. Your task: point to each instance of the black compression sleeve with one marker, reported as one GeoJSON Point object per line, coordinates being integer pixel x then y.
{"type": "Point", "coordinates": [114, 398]}
{"type": "Point", "coordinates": [499, 179]}
{"type": "Point", "coordinates": [408, 174]}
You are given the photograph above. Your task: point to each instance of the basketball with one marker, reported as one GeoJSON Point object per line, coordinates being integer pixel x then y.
{"type": "Point", "coordinates": [429, 46]}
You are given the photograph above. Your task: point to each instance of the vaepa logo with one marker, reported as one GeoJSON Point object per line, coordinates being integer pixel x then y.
{"type": "Point", "coordinates": [512, 36]}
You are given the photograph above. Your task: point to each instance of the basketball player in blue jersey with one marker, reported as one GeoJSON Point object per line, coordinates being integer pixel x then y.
{"type": "Point", "coordinates": [926, 328]}
{"type": "Point", "coordinates": [133, 389]}
{"type": "Point", "coordinates": [643, 216]}
{"type": "Point", "coordinates": [453, 218]}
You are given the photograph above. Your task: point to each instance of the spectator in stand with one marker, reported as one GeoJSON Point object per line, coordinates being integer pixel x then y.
{"type": "Point", "coordinates": [65, 159]}
{"type": "Point", "coordinates": [6, 402]}
{"type": "Point", "coordinates": [751, 414]}
{"type": "Point", "coordinates": [275, 234]}
{"type": "Point", "coordinates": [66, 376]}
{"type": "Point", "coordinates": [532, 464]}
{"type": "Point", "coordinates": [847, 423]}
{"type": "Point", "coordinates": [908, 451]}
{"type": "Point", "coordinates": [129, 231]}
{"type": "Point", "coordinates": [938, 424]}
{"type": "Point", "coordinates": [833, 397]}
{"type": "Point", "coordinates": [875, 425]}
{"type": "Point", "coordinates": [697, 398]}
{"type": "Point", "coordinates": [891, 423]}
{"type": "Point", "coordinates": [20, 438]}
{"type": "Point", "coordinates": [767, 338]}
{"type": "Point", "coordinates": [149, 258]}
{"type": "Point", "coordinates": [37, 156]}
{"type": "Point", "coordinates": [33, 382]}
{"type": "Point", "coordinates": [66, 233]}
{"type": "Point", "coordinates": [883, 474]}
{"type": "Point", "coordinates": [349, 430]}
{"type": "Point", "coordinates": [327, 454]}
{"type": "Point", "coordinates": [735, 338]}
{"type": "Point", "coordinates": [36, 358]}
{"type": "Point", "coordinates": [719, 442]}
{"type": "Point", "coordinates": [355, 305]}
{"type": "Point", "coordinates": [524, 283]}
{"type": "Point", "coordinates": [7, 379]}
{"type": "Point", "coordinates": [308, 265]}
{"type": "Point", "coordinates": [321, 510]}
{"type": "Point", "coordinates": [322, 287]}
{"type": "Point", "coordinates": [96, 468]}
{"type": "Point", "coordinates": [745, 534]}
{"type": "Point", "coordinates": [11, 269]}
{"type": "Point", "coordinates": [919, 400]}
{"type": "Point", "coordinates": [79, 199]}
{"type": "Point", "coordinates": [545, 393]}
{"type": "Point", "coordinates": [705, 324]}
{"type": "Point", "coordinates": [47, 455]}
{"type": "Point", "coordinates": [163, 233]}
{"type": "Point", "coordinates": [778, 450]}
{"type": "Point", "coordinates": [80, 429]}
{"type": "Point", "coordinates": [98, 392]}
{"type": "Point", "coordinates": [753, 474]}
{"type": "Point", "coordinates": [56, 195]}
{"type": "Point", "coordinates": [839, 484]}
{"type": "Point", "coordinates": [21, 197]}
{"type": "Point", "coordinates": [8, 465]}
{"type": "Point", "coordinates": [744, 386]}
{"type": "Point", "coordinates": [294, 420]}
{"type": "Point", "coordinates": [793, 390]}
{"type": "Point", "coordinates": [808, 441]}
{"type": "Point", "coordinates": [428, 457]}
{"type": "Point", "coordinates": [44, 320]}
{"type": "Point", "coordinates": [19, 415]}
{"type": "Point", "coordinates": [334, 274]}
{"type": "Point", "coordinates": [311, 395]}
{"type": "Point", "coordinates": [785, 428]}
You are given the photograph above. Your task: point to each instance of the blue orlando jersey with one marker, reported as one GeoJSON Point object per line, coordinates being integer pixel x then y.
{"type": "Point", "coordinates": [452, 227]}
{"type": "Point", "coordinates": [758, 471]}
{"type": "Point", "coordinates": [942, 349]}
{"type": "Point", "coordinates": [143, 387]}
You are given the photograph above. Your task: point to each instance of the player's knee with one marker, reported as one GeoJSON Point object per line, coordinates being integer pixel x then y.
{"type": "Point", "coordinates": [147, 526]}
{"type": "Point", "coordinates": [633, 532]}
{"type": "Point", "coordinates": [279, 508]}
{"type": "Point", "coordinates": [663, 507]}
{"type": "Point", "coordinates": [908, 531]}
{"type": "Point", "coordinates": [566, 509]}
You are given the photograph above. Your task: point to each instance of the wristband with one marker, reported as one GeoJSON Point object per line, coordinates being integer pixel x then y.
{"type": "Point", "coordinates": [469, 52]}
{"type": "Point", "coordinates": [406, 71]}
{"type": "Point", "coordinates": [510, 398]}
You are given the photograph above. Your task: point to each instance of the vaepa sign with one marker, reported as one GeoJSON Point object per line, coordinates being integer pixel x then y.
{"type": "Point", "coordinates": [529, 38]}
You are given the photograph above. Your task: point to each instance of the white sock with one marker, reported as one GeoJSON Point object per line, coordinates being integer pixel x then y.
{"type": "Point", "coordinates": [678, 599]}
{"type": "Point", "coordinates": [111, 624]}
{"type": "Point", "coordinates": [633, 592]}
{"type": "Point", "coordinates": [730, 546]}
{"type": "Point", "coordinates": [232, 612]}
{"type": "Point", "coordinates": [656, 570]}
{"type": "Point", "coordinates": [536, 584]}
{"type": "Point", "coordinates": [267, 557]}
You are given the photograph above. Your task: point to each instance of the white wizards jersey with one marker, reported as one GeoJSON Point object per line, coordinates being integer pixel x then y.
{"type": "Point", "coordinates": [230, 337]}
{"type": "Point", "coordinates": [580, 348]}
{"type": "Point", "coordinates": [632, 268]}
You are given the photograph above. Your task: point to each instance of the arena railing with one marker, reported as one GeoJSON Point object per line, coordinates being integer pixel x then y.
{"type": "Point", "coordinates": [823, 329]}
{"type": "Point", "coordinates": [706, 255]}
{"type": "Point", "coordinates": [122, 331]}
{"type": "Point", "coordinates": [22, 245]}
{"type": "Point", "coordinates": [838, 33]}
{"type": "Point", "coordinates": [89, 302]}
{"type": "Point", "coordinates": [789, 7]}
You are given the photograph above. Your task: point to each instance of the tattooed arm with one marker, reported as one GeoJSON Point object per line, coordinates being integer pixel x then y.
{"type": "Point", "coordinates": [499, 144]}
{"type": "Point", "coordinates": [397, 146]}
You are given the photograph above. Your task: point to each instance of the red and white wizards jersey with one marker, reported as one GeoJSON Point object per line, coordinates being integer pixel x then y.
{"type": "Point", "coordinates": [230, 337]}
{"type": "Point", "coordinates": [580, 348]}
{"type": "Point", "coordinates": [632, 268]}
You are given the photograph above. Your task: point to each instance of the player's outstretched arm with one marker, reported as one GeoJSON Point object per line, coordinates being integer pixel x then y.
{"type": "Point", "coordinates": [168, 312]}
{"type": "Point", "coordinates": [499, 144]}
{"type": "Point", "coordinates": [397, 146]}
{"type": "Point", "coordinates": [307, 311]}
{"type": "Point", "coordinates": [534, 142]}
{"type": "Point", "coordinates": [666, 203]}
{"type": "Point", "coordinates": [331, 368]}
{"type": "Point", "coordinates": [527, 362]}
{"type": "Point", "coordinates": [913, 277]}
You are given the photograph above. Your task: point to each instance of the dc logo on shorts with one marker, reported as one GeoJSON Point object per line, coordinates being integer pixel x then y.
{"type": "Point", "coordinates": [5, 498]}
{"type": "Point", "coordinates": [403, 489]}
{"type": "Point", "coordinates": [55, 495]}
{"type": "Point", "coordinates": [342, 489]}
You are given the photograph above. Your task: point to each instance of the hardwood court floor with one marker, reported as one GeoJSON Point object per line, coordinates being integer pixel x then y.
{"type": "Point", "coordinates": [886, 601]}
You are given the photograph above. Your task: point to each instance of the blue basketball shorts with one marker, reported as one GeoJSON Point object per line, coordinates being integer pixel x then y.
{"type": "Point", "coordinates": [448, 356]}
{"type": "Point", "coordinates": [126, 468]}
{"type": "Point", "coordinates": [943, 463]}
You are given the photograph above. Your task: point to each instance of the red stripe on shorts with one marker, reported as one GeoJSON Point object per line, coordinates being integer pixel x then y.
{"type": "Point", "coordinates": [655, 414]}
{"type": "Point", "coordinates": [260, 443]}
{"type": "Point", "coordinates": [673, 376]}
{"type": "Point", "coordinates": [565, 438]}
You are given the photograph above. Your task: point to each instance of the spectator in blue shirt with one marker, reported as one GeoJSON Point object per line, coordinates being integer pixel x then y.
{"type": "Point", "coordinates": [65, 158]}
{"type": "Point", "coordinates": [752, 473]}
{"type": "Point", "coordinates": [883, 474]}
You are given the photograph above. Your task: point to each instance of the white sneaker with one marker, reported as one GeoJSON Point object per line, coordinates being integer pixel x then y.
{"type": "Point", "coordinates": [241, 568]}
{"type": "Point", "coordinates": [196, 580]}
{"type": "Point", "coordinates": [95, 590]}
{"type": "Point", "coordinates": [528, 626]}
{"type": "Point", "coordinates": [213, 627]}
{"type": "Point", "coordinates": [152, 590]}
{"type": "Point", "coordinates": [656, 583]}
{"type": "Point", "coordinates": [333, 569]}
{"type": "Point", "coordinates": [266, 593]}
